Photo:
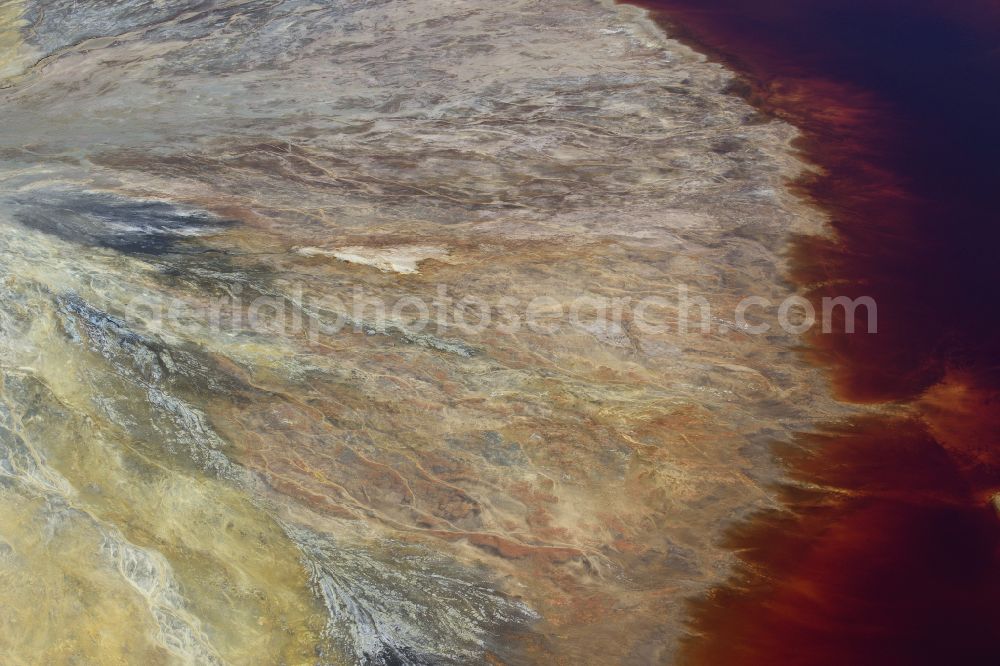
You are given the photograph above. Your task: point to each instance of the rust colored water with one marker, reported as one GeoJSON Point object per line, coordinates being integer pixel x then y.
{"type": "Point", "coordinates": [888, 550]}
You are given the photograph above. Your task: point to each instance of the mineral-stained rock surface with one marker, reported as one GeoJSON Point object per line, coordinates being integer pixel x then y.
{"type": "Point", "coordinates": [251, 409]}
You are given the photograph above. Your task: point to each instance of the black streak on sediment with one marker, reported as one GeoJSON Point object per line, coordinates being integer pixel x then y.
{"type": "Point", "coordinates": [126, 225]}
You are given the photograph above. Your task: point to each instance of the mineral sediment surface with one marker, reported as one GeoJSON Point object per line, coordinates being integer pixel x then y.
{"type": "Point", "coordinates": [185, 480]}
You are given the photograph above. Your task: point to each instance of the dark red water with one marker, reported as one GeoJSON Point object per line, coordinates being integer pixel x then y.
{"type": "Point", "coordinates": [894, 557]}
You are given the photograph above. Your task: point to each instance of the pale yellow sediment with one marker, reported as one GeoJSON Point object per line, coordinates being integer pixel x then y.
{"type": "Point", "coordinates": [15, 54]}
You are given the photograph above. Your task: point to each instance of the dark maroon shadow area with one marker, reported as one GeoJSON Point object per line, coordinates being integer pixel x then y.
{"type": "Point", "coordinates": [895, 559]}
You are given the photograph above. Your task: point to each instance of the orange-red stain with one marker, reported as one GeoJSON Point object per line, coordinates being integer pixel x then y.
{"type": "Point", "coordinates": [888, 547]}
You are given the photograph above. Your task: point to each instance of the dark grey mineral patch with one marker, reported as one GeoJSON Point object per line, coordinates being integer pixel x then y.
{"type": "Point", "coordinates": [133, 226]}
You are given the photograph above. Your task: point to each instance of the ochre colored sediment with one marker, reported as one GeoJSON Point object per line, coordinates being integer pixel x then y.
{"type": "Point", "coordinates": [195, 488]}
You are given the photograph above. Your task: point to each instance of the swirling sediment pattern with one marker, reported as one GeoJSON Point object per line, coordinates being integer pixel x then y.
{"type": "Point", "coordinates": [189, 490]}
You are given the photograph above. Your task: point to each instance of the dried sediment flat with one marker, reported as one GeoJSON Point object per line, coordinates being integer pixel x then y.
{"type": "Point", "coordinates": [184, 485]}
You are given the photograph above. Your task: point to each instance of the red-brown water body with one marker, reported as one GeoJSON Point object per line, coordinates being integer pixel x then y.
{"type": "Point", "coordinates": [889, 549]}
